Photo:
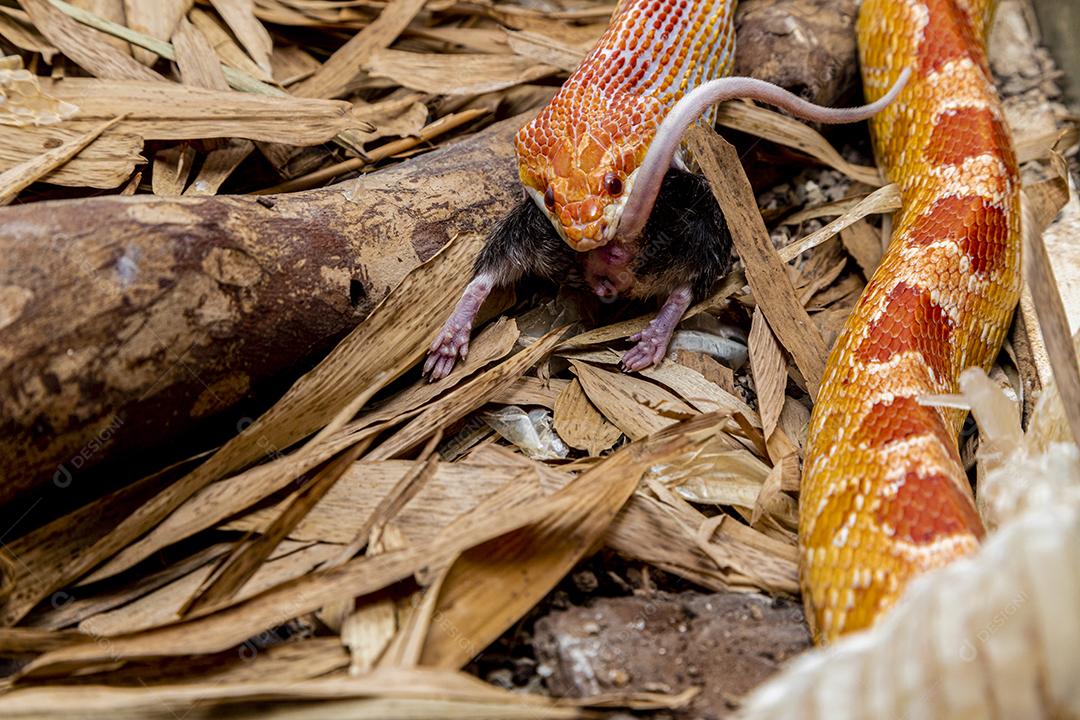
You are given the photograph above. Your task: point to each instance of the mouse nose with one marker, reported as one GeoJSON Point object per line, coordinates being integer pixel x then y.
{"type": "Point", "coordinates": [605, 289]}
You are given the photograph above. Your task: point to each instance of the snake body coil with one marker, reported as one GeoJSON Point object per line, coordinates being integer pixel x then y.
{"type": "Point", "coordinates": [884, 495]}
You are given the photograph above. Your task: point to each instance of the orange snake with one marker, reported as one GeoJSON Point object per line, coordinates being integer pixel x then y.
{"type": "Point", "coordinates": [884, 495]}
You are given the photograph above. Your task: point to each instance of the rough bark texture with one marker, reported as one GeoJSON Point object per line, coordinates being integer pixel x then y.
{"type": "Point", "coordinates": [124, 322]}
{"type": "Point", "coordinates": [806, 46]}
{"type": "Point", "coordinates": [127, 323]}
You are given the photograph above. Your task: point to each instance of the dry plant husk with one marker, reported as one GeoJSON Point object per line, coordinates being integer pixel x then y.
{"type": "Point", "coordinates": [382, 510]}
{"type": "Point", "coordinates": [1014, 653]}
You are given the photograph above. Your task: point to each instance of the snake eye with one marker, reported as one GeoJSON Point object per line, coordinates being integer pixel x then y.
{"type": "Point", "coordinates": [549, 198]}
{"type": "Point", "coordinates": [613, 184]}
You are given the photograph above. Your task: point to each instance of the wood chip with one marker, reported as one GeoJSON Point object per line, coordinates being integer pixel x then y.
{"type": "Point", "coordinates": [168, 111]}
{"type": "Point", "coordinates": [770, 372]}
{"type": "Point", "coordinates": [462, 74]}
{"type": "Point", "coordinates": [633, 405]}
{"type": "Point", "coordinates": [172, 167]}
{"type": "Point", "coordinates": [782, 129]}
{"type": "Point", "coordinates": [16, 179]}
{"type": "Point", "coordinates": [195, 56]}
{"type": "Point", "coordinates": [156, 18]}
{"type": "Point", "coordinates": [864, 244]}
{"type": "Point", "coordinates": [239, 15]}
{"type": "Point", "coordinates": [765, 270]}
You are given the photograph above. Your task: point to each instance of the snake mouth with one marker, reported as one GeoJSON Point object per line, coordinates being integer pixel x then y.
{"type": "Point", "coordinates": [588, 223]}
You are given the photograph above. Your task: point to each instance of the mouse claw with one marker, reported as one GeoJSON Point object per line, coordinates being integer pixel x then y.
{"type": "Point", "coordinates": [451, 344]}
{"type": "Point", "coordinates": [650, 349]}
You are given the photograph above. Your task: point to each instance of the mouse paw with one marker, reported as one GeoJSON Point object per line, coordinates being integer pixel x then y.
{"type": "Point", "coordinates": [651, 347]}
{"type": "Point", "coordinates": [452, 343]}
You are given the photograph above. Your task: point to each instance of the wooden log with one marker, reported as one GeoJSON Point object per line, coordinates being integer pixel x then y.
{"type": "Point", "coordinates": [806, 46]}
{"type": "Point", "coordinates": [125, 322]}
{"type": "Point", "coordinates": [138, 330]}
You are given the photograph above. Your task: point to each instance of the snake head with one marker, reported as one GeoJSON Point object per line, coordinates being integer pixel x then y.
{"type": "Point", "coordinates": [578, 160]}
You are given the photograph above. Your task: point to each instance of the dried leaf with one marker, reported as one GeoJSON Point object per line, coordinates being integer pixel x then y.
{"type": "Point", "coordinates": [579, 424]}
{"type": "Point", "coordinates": [85, 47]}
{"type": "Point", "coordinates": [765, 270]}
{"type": "Point", "coordinates": [461, 74]}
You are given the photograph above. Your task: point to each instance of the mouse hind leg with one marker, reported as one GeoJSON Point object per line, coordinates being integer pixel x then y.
{"type": "Point", "coordinates": [686, 248]}
{"type": "Point", "coordinates": [522, 244]}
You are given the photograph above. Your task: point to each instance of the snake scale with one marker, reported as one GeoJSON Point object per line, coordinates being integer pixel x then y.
{"type": "Point", "coordinates": [884, 496]}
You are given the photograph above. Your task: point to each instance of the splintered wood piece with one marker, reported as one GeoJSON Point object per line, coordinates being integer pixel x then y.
{"type": "Point", "coordinates": [156, 18]}
{"type": "Point", "coordinates": [239, 15]}
{"type": "Point", "coordinates": [765, 270]}
{"type": "Point", "coordinates": [864, 244]}
{"type": "Point", "coordinates": [85, 47]}
{"type": "Point", "coordinates": [168, 111]}
{"type": "Point", "coordinates": [218, 165]}
{"type": "Point", "coordinates": [195, 56]}
{"type": "Point", "coordinates": [637, 407]}
{"type": "Point", "coordinates": [419, 692]}
{"type": "Point", "coordinates": [770, 372]}
{"type": "Point", "coordinates": [771, 125]}
{"type": "Point", "coordinates": [172, 167]}
{"type": "Point", "coordinates": [18, 178]}
{"type": "Point", "coordinates": [465, 399]}
{"type": "Point", "coordinates": [461, 74]}
{"type": "Point", "coordinates": [454, 489]}
{"type": "Point", "coordinates": [529, 390]}
{"type": "Point", "coordinates": [492, 585]}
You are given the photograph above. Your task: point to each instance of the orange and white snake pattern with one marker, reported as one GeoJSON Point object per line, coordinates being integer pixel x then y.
{"type": "Point", "coordinates": [578, 157]}
{"type": "Point", "coordinates": [884, 495]}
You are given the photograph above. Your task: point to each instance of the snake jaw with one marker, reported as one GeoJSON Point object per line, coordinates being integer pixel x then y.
{"type": "Point", "coordinates": [589, 223]}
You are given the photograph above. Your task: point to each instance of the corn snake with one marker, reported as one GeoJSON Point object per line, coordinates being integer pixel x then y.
{"type": "Point", "coordinates": [596, 159]}
{"type": "Point", "coordinates": [593, 161]}
{"type": "Point", "coordinates": [884, 494]}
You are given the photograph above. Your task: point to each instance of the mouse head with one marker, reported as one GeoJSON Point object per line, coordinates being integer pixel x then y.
{"type": "Point", "coordinates": [579, 157]}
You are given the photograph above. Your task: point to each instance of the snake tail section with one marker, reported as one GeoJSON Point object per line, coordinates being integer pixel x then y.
{"type": "Point", "coordinates": [884, 495]}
